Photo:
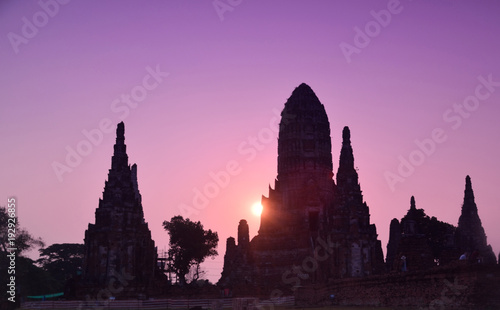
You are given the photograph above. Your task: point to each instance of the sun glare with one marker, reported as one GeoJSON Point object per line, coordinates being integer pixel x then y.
{"type": "Point", "coordinates": [257, 209]}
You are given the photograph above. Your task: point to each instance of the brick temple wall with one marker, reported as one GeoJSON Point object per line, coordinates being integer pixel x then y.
{"type": "Point", "coordinates": [460, 286]}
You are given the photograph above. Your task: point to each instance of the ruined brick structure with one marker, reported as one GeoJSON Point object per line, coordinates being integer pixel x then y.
{"type": "Point", "coordinates": [470, 236]}
{"type": "Point", "coordinates": [118, 247]}
{"type": "Point", "coordinates": [359, 252]}
{"type": "Point", "coordinates": [426, 242]}
{"type": "Point", "coordinates": [409, 246]}
{"type": "Point", "coordinates": [307, 220]}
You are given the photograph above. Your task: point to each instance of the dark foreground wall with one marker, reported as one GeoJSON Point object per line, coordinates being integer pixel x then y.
{"type": "Point", "coordinates": [453, 287]}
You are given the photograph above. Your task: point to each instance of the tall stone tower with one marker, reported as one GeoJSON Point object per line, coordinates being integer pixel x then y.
{"type": "Point", "coordinates": [118, 247]}
{"type": "Point", "coordinates": [359, 250]}
{"type": "Point", "coordinates": [393, 244]}
{"type": "Point", "coordinates": [294, 213]}
{"type": "Point", "coordinates": [470, 236]}
{"type": "Point", "coordinates": [304, 185]}
{"type": "Point", "coordinates": [311, 230]}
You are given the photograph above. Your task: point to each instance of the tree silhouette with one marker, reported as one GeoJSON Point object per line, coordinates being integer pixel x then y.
{"type": "Point", "coordinates": [62, 261]}
{"type": "Point", "coordinates": [29, 278]}
{"type": "Point", "coordinates": [23, 239]}
{"type": "Point", "coordinates": [189, 245]}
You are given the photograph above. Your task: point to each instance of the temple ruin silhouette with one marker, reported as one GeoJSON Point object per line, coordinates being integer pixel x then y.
{"type": "Point", "coordinates": [118, 247]}
{"type": "Point", "coordinates": [315, 232]}
{"type": "Point", "coordinates": [314, 229]}
{"type": "Point", "coordinates": [306, 209]}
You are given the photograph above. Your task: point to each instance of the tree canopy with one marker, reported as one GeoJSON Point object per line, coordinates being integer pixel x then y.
{"type": "Point", "coordinates": [23, 239]}
{"type": "Point", "coordinates": [189, 245]}
{"type": "Point", "coordinates": [30, 279]}
{"type": "Point", "coordinates": [62, 261]}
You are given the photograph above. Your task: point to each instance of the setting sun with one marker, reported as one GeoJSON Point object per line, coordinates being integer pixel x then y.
{"type": "Point", "coordinates": [257, 209]}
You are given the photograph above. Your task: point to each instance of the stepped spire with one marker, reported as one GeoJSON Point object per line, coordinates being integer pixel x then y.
{"type": "Point", "coordinates": [351, 210]}
{"type": "Point", "coordinates": [469, 196]}
{"type": "Point", "coordinates": [119, 161]}
{"type": "Point", "coordinates": [347, 176]}
{"type": "Point", "coordinates": [346, 156]}
{"type": "Point", "coordinates": [120, 185]}
{"type": "Point", "coordinates": [120, 238]}
{"type": "Point", "coordinates": [120, 132]}
{"type": "Point", "coordinates": [470, 234]}
{"type": "Point", "coordinates": [346, 173]}
{"type": "Point", "coordinates": [412, 203]}
{"type": "Point", "coordinates": [469, 214]}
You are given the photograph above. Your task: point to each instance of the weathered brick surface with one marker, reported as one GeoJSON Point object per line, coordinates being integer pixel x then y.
{"type": "Point", "coordinates": [120, 256]}
{"type": "Point", "coordinates": [307, 210]}
{"type": "Point", "coordinates": [461, 286]}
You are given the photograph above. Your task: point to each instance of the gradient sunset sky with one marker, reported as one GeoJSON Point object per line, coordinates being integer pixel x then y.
{"type": "Point", "coordinates": [206, 81]}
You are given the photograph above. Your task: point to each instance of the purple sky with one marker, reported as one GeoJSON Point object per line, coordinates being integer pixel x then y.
{"type": "Point", "coordinates": [422, 68]}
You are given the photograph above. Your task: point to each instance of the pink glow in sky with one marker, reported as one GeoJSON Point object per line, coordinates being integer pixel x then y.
{"type": "Point", "coordinates": [221, 80]}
